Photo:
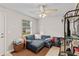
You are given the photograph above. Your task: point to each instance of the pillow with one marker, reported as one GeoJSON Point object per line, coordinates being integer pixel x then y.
{"type": "Point", "coordinates": [45, 36]}
{"type": "Point", "coordinates": [37, 36]}
{"type": "Point", "coordinates": [30, 37]}
{"type": "Point", "coordinates": [53, 39]}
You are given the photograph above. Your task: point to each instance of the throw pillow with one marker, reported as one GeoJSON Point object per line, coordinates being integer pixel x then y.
{"type": "Point", "coordinates": [37, 36]}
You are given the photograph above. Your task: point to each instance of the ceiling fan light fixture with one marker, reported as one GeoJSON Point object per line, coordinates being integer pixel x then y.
{"type": "Point", "coordinates": [44, 11]}
{"type": "Point", "coordinates": [42, 15]}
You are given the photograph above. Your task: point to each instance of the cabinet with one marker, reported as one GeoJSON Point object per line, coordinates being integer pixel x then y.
{"type": "Point", "coordinates": [18, 47]}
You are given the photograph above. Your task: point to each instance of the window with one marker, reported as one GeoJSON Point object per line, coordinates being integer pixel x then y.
{"type": "Point", "coordinates": [26, 27]}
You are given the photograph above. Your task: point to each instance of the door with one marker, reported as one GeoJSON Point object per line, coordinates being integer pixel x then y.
{"type": "Point", "coordinates": [2, 30]}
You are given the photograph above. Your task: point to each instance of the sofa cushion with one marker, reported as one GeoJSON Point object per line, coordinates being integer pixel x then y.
{"type": "Point", "coordinates": [45, 36]}
{"type": "Point", "coordinates": [37, 43]}
{"type": "Point", "coordinates": [29, 41]}
{"type": "Point", "coordinates": [30, 37]}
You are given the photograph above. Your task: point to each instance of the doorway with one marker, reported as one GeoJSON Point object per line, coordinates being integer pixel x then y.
{"type": "Point", "coordinates": [2, 33]}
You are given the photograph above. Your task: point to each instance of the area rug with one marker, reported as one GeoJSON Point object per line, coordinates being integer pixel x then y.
{"type": "Point", "coordinates": [54, 51]}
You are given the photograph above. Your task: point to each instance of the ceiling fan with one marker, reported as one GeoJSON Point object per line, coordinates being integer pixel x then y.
{"type": "Point", "coordinates": [44, 10]}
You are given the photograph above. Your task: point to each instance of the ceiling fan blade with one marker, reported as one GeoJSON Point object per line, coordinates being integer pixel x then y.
{"type": "Point", "coordinates": [45, 10]}
{"type": "Point", "coordinates": [49, 11]}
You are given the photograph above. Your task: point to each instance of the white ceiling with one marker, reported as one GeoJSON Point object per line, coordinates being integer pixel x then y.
{"type": "Point", "coordinates": [32, 9]}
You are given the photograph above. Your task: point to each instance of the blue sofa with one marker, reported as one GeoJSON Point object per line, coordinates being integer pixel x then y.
{"type": "Point", "coordinates": [36, 44]}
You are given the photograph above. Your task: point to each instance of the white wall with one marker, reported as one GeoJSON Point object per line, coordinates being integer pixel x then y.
{"type": "Point", "coordinates": [14, 26]}
{"type": "Point", "coordinates": [51, 26]}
